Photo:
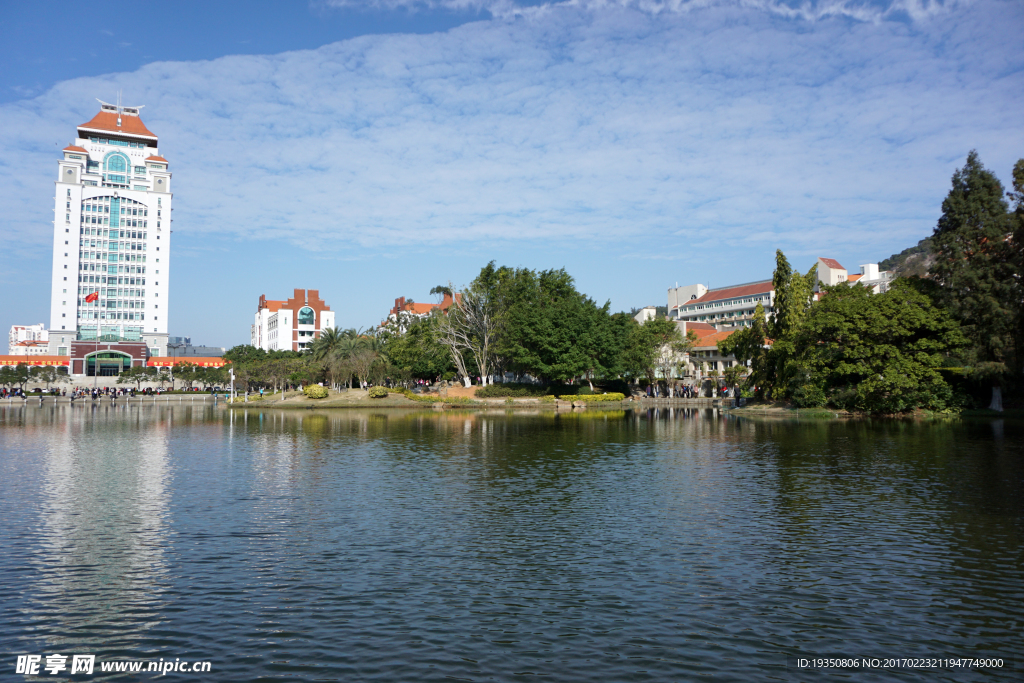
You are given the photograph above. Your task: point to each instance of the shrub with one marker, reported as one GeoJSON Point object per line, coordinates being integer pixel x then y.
{"type": "Point", "coordinates": [585, 391]}
{"type": "Point", "coordinates": [315, 391]}
{"type": "Point", "coordinates": [511, 390]}
{"type": "Point", "coordinates": [378, 392]}
{"type": "Point", "coordinates": [809, 396]}
{"type": "Point", "coordinates": [593, 398]}
{"type": "Point", "coordinates": [426, 399]}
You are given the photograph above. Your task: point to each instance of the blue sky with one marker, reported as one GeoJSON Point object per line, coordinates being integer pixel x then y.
{"type": "Point", "coordinates": [374, 150]}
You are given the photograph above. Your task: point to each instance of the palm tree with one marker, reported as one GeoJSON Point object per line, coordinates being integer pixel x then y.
{"type": "Point", "coordinates": [324, 346]}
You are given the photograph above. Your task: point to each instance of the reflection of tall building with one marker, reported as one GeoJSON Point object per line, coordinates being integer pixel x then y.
{"type": "Point", "coordinates": [106, 497]}
{"type": "Point", "coordinates": [111, 238]}
{"type": "Point", "coordinates": [290, 325]}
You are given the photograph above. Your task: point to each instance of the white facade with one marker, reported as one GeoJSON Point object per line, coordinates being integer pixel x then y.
{"type": "Point", "coordinates": [877, 280]}
{"type": "Point", "coordinates": [29, 348]}
{"type": "Point", "coordinates": [677, 296]}
{"type": "Point", "coordinates": [646, 313]}
{"type": "Point", "coordinates": [26, 333]}
{"type": "Point", "coordinates": [726, 308]}
{"type": "Point", "coordinates": [292, 324]}
{"type": "Point", "coordinates": [112, 235]}
{"type": "Point", "coordinates": [830, 272]}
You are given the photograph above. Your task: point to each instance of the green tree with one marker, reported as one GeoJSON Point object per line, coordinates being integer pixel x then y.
{"type": "Point", "coordinates": [878, 352]}
{"type": "Point", "coordinates": [19, 375]}
{"type": "Point", "coordinates": [416, 351]}
{"type": "Point", "coordinates": [734, 375]}
{"type": "Point", "coordinates": [792, 301]}
{"type": "Point", "coordinates": [187, 373]}
{"type": "Point", "coordinates": [215, 377]}
{"type": "Point", "coordinates": [978, 265]}
{"type": "Point", "coordinates": [750, 346]}
{"type": "Point", "coordinates": [1017, 221]}
{"type": "Point", "coordinates": [137, 374]}
{"type": "Point", "coordinates": [47, 374]}
{"type": "Point", "coordinates": [244, 353]}
{"type": "Point", "coordinates": [646, 344]}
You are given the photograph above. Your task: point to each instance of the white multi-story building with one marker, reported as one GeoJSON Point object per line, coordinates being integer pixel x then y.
{"type": "Point", "coordinates": [290, 325]}
{"type": "Point", "coordinates": [733, 307]}
{"type": "Point", "coordinates": [26, 333]}
{"type": "Point", "coordinates": [726, 308]}
{"type": "Point", "coordinates": [870, 276]}
{"type": "Point", "coordinates": [111, 236]}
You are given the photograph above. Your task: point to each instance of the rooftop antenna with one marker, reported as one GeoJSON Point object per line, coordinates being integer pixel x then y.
{"type": "Point", "coordinates": [118, 107]}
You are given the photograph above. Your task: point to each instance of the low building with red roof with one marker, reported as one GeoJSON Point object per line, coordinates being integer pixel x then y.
{"type": "Point", "coordinates": [404, 309]}
{"type": "Point", "coordinates": [831, 272]}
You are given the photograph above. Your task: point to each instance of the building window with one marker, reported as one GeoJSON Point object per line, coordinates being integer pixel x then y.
{"type": "Point", "coordinates": [307, 316]}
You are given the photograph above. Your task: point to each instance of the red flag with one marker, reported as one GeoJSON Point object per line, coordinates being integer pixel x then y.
{"type": "Point", "coordinates": [92, 297]}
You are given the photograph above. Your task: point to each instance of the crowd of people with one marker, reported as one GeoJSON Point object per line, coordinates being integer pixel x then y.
{"type": "Point", "coordinates": [657, 390]}
{"type": "Point", "coordinates": [78, 392]}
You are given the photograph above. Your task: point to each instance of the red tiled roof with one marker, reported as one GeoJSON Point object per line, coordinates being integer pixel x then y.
{"type": "Point", "coordinates": [711, 340]}
{"type": "Point", "coordinates": [107, 121]}
{"type": "Point", "coordinates": [700, 329]}
{"type": "Point", "coordinates": [763, 287]}
{"type": "Point", "coordinates": [75, 148]}
{"type": "Point", "coordinates": [831, 263]}
{"type": "Point", "coordinates": [273, 306]}
{"type": "Point", "coordinates": [854, 277]}
{"type": "Point", "coordinates": [156, 158]}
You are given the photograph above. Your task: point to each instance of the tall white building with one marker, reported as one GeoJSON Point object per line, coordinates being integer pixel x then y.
{"type": "Point", "coordinates": [111, 236]}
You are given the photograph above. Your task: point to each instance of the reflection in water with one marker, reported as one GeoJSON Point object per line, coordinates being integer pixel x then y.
{"type": "Point", "coordinates": [103, 528]}
{"type": "Point", "coordinates": [651, 545]}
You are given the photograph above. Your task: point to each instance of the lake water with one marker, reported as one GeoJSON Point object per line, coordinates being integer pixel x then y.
{"type": "Point", "coordinates": [438, 546]}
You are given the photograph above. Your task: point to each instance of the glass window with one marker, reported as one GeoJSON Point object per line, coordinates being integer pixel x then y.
{"type": "Point", "coordinates": [307, 316]}
{"type": "Point", "coordinates": [117, 163]}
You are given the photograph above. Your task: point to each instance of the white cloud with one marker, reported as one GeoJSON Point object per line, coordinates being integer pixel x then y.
{"type": "Point", "coordinates": [861, 10]}
{"type": "Point", "coordinates": [660, 128]}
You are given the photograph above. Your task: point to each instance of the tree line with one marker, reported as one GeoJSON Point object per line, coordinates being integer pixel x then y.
{"type": "Point", "coordinates": [530, 324]}
{"type": "Point", "coordinates": [21, 374]}
{"type": "Point", "coordinates": [941, 341]}
{"type": "Point", "coordinates": [928, 342]}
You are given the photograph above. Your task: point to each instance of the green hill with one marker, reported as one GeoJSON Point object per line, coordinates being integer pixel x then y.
{"type": "Point", "coordinates": [912, 261]}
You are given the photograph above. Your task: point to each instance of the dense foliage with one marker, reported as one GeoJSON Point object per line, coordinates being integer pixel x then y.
{"type": "Point", "coordinates": [317, 391]}
{"type": "Point", "coordinates": [903, 349]}
{"type": "Point", "coordinates": [21, 374]}
{"type": "Point", "coordinates": [877, 352]}
{"type": "Point", "coordinates": [978, 263]}
{"type": "Point", "coordinates": [532, 324]}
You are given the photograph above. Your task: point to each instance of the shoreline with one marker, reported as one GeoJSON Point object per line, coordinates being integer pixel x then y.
{"type": "Point", "coordinates": [359, 400]}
